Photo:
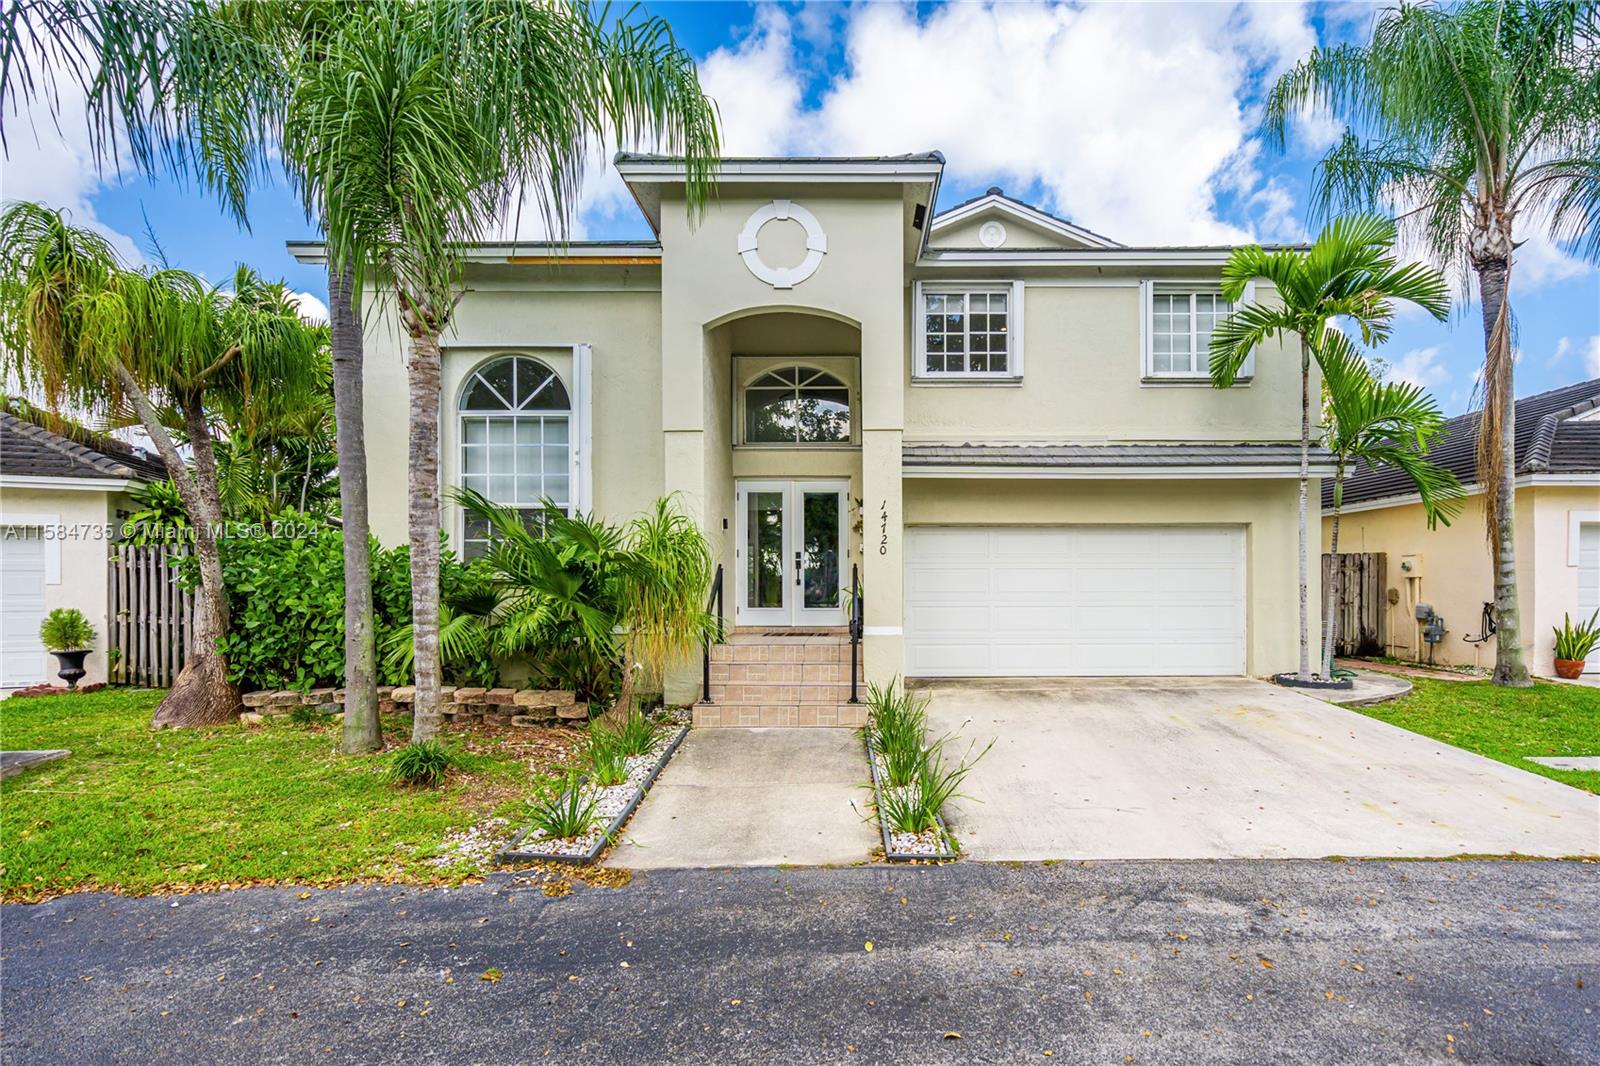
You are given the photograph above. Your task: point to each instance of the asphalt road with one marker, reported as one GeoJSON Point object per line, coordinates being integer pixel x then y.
{"type": "Point", "coordinates": [1117, 962]}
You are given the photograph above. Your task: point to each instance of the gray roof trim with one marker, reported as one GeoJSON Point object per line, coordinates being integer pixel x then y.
{"type": "Point", "coordinates": [33, 451]}
{"type": "Point", "coordinates": [576, 252]}
{"type": "Point", "coordinates": [1178, 458]}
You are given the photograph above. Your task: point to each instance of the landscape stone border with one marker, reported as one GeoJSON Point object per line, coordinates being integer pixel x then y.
{"type": "Point", "coordinates": [511, 855]}
{"type": "Point", "coordinates": [512, 706]}
{"type": "Point", "coordinates": [944, 854]}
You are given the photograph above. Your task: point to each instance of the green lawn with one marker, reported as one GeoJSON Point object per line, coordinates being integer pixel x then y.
{"type": "Point", "coordinates": [1505, 723]}
{"type": "Point", "coordinates": [135, 811]}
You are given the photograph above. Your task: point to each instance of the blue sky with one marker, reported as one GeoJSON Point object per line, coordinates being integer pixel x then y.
{"type": "Point", "coordinates": [1138, 121]}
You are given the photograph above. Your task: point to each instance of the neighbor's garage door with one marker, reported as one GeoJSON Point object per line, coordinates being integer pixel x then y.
{"type": "Point", "coordinates": [1074, 600]}
{"type": "Point", "coordinates": [22, 575]}
{"type": "Point", "coordinates": [1589, 581]}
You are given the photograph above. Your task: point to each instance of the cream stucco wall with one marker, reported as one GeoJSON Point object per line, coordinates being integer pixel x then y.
{"type": "Point", "coordinates": [84, 521]}
{"type": "Point", "coordinates": [1082, 370]}
{"type": "Point", "coordinates": [1457, 578]}
{"type": "Point", "coordinates": [1265, 509]}
{"type": "Point", "coordinates": [1019, 234]}
{"type": "Point", "coordinates": [543, 312]}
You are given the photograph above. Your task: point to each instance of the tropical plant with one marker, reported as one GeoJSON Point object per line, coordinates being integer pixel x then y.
{"type": "Point", "coordinates": [66, 629]}
{"type": "Point", "coordinates": [1349, 273]}
{"type": "Point", "coordinates": [1471, 119]}
{"type": "Point", "coordinates": [1575, 642]}
{"type": "Point", "coordinates": [564, 811]}
{"type": "Point", "coordinates": [421, 764]}
{"type": "Point", "coordinates": [638, 733]}
{"type": "Point", "coordinates": [1373, 423]}
{"type": "Point", "coordinates": [160, 517]}
{"type": "Point", "coordinates": [896, 727]}
{"type": "Point", "coordinates": [417, 123]}
{"type": "Point", "coordinates": [82, 328]}
{"type": "Point", "coordinates": [467, 607]}
{"type": "Point", "coordinates": [604, 757]}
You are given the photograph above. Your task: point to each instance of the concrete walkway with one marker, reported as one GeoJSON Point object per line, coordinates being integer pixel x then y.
{"type": "Point", "coordinates": [1231, 768]}
{"type": "Point", "coordinates": [755, 797]}
{"type": "Point", "coordinates": [1370, 688]}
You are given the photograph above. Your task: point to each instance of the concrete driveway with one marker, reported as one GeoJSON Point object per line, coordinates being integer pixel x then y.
{"type": "Point", "coordinates": [1230, 768]}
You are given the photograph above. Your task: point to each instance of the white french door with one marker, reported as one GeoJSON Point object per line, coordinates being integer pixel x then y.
{"type": "Point", "coordinates": [792, 552]}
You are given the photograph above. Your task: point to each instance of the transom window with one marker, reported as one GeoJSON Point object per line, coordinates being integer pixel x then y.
{"type": "Point", "coordinates": [1181, 325]}
{"type": "Point", "coordinates": [968, 331]}
{"type": "Point", "coordinates": [515, 441]}
{"type": "Point", "coordinates": [797, 405]}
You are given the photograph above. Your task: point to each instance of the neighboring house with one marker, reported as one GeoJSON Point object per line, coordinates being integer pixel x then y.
{"type": "Point", "coordinates": [1001, 418]}
{"type": "Point", "coordinates": [61, 505]}
{"type": "Point", "coordinates": [1557, 533]}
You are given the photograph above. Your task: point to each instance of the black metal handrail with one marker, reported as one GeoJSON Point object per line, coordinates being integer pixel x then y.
{"type": "Point", "coordinates": [857, 618]}
{"type": "Point", "coordinates": [705, 652]}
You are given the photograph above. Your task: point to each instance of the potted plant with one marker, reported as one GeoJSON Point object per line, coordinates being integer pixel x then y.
{"type": "Point", "coordinates": [67, 634]}
{"type": "Point", "coordinates": [1574, 643]}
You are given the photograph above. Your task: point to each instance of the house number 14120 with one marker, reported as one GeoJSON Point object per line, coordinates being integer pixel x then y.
{"type": "Point", "coordinates": [883, 522]}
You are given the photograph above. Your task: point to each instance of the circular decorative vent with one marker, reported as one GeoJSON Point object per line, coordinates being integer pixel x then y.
{"type": "Point", "coordinates": [992, 234]}
{"type": "Point", "coordinates": [782, 277]}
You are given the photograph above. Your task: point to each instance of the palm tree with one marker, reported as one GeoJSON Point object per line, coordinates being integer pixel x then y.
{"type": "Point", "coordinates": [1349, 272]}
{"type": "Point", "coordinates": [1374, 423]}
{"type": "Point", "coordinates": [83, 328]}
{"type": "Point", "coordinates": [1469, 118]}
{"type": "Point", "coordinates": [422, 120]}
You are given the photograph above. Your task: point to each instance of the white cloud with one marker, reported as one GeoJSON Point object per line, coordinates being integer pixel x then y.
{"type": "Point", "coordinates": [1563, 347]}
{"type": "Point", "coordinates": [1591, 358]}
{"type": "Point", "coordinates": [311, 308]}
{"type": "Point", "coordinates": [49, 160]}
{"type": "Point", "coordinates": [758, 89]}
{"type": "Point", "coordinates": [1420, 367]}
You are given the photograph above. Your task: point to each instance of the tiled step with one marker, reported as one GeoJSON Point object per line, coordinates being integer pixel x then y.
{"type": "Point", "coordinates": [734, 673]}
{"type": "Point", "coordinates": [838, 715]}
{"type": "Point", "coordinates": [768, 695]}
{"type": "Point", "coordinates": [750, 652]}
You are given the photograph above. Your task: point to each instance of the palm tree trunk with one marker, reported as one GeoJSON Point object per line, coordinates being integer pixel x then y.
{"type": "Point", "coordinates": [362, 730]}
{"type": "Point", "coordinates": [1305, 488]}
{"type": "Point", "coordinates": [424, 373]}
{"type": "Point", "coordinates": [1497, 465]}
{"type": "Point", "coordinates": [1335, 591]}
{"type": "Point", "coordinates": [202, 693]}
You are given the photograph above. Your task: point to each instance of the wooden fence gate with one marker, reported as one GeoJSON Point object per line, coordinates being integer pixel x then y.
{"type": "Point", "coordinates": [1361, 579]}
{"type": "Point", "coordinates": [151, 618]}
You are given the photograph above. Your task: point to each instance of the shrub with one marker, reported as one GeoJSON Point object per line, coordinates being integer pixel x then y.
{"type": "Point", "coordinates": [421, 764]}
{"type": "Point", "coordinates": [1575, 642]}
{"type": "Point", "coordinates": [66, 629]}
{"type": "Point", "coordinates": [564, 812]}
{"type": "Point", "coordinates": [639, 734]}
{"type": "Point", "coordinates": [896, 725]}
{"type": "Point", "coordinates": [605, 757]}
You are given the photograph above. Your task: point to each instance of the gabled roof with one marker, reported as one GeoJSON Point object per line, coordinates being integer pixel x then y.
{"type": "Point", "coordinates": [995, 200]}
{"type": "Point", "coordinates": [1550, 439]}
{"type": "Point", "coordinates": [28, 450]}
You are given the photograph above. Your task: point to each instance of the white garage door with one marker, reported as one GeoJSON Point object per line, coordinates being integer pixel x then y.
{"type": "Point", "coordinates": [1589, 581]}
{"type": "Point", "coordinates": [1074, 601]}
{"type": "Point", "coordinates": [22, 657]}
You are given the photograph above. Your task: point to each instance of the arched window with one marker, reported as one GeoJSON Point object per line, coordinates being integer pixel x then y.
{"type": "Point", "coordinates": [515, 440]}
{"type": "Point", "coordinates": [797, 405]}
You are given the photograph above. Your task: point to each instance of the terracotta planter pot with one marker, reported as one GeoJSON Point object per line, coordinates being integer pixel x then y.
{"type": "Point", "coordinates": [1571, 669]}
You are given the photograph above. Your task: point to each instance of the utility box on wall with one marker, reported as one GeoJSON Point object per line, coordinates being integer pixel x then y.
{"type": "Point", "coordinates": [1411, 565]}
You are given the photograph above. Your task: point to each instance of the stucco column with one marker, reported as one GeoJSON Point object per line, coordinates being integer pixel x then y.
{"type": "Point", "coordinates": [683, 391]}
{"type": "Point", "coordinates": [882, 516]}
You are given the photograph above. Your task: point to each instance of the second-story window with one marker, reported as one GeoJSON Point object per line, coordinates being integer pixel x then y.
{"type": "Point", "coordinates": [1180, 330]}
{"type": "Point", "coordinates": [968, 331]}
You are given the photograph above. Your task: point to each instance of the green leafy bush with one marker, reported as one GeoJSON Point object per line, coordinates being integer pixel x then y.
{"type": "Point", "coordinates": [421, 764]}
{"type": "Point", "coordinates": [66, 629]}
{"type": "Point", "coordinates": [606, 760]}
{"type": "Point", "coordinates": [638, 734]}
{"type": "Point", "coordinates": [1575, 642]}
{"type": "Point", "coordinates": [565, 811]}
{"type": "Point", "coordinates": [896, 725]}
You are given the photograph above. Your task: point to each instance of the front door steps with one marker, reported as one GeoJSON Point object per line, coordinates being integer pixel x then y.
{"type": "Point", "coordinates": [782, 677]}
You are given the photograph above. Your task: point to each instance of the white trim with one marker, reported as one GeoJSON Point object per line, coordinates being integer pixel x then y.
{"type": "Point", "coordinates": [779, 211]}
{"type": "Point", "coordinates": [1031, 215]}
{"type": "Point", "coordinates": [760, 170]}
{"type": "Point", "coordinates": [316, 252]}
{"type": "Point", "coordinates": [1157, 473]}
{"type": "Point", "coordinates": [1576, 520]}
{"type": "Point", "coordinates": [1136, 257]}
{"type": "Point", "coordinates": [52, 544]}
{"type": "Point", "coordinates": [882, 631]}
{"type": "Point", "coordinates": [68, 484]}
{"type": "Point", "coordinates": [1405, 499]}
{"type": "Point", "coordinates": [1016, 291]}
{"type": "Point", "coordinates": [1149, 377]}
{"type": "Point", "coordinates": [583, 430]}
{"type": "Point", "coordinates": [1082, 283]}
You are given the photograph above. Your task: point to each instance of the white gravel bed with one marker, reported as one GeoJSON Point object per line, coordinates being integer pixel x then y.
{"type": "Point", "coordinates": [477, 844]}
{"type": "Point", "coordinates": [610, 801]}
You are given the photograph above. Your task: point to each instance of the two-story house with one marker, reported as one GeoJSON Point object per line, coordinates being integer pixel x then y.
{"type": "Point", "coordinates": [1002, 421]}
